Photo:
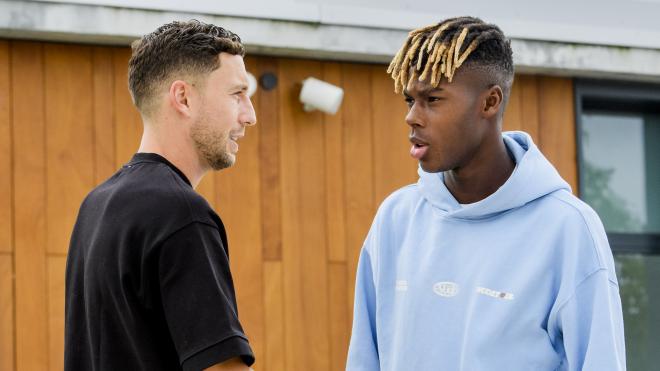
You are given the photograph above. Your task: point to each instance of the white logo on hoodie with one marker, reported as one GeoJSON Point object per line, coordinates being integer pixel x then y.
{"type": "Point", "coordinates": [446, 289]}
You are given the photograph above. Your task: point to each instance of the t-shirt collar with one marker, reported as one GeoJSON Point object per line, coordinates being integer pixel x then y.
{"type": "Point", "coordinates": [154, 157]}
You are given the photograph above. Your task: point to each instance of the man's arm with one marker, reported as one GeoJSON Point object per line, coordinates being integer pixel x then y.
{"type": "Point", "coordinates": [234, 364]}
{"type": "Point", "coordinates": [198, 299]}
{"type": "Point", "coordinates": [591, 323]}
{"type": "Point", "coordinates": [363, 350]}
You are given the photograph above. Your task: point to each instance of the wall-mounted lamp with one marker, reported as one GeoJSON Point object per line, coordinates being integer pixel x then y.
{"type": "Point", "coordinates": [252, 84]}
{"type": "Point", "coordinates": [320, 95]}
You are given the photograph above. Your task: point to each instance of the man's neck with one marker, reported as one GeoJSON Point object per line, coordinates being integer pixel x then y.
{"type": "Point", "coordinates": [487, 171]}
{"type": "Point", "coordinates": [180, 154]}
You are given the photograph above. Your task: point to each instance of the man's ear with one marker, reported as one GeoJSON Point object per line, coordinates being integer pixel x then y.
{"type": "Point", "coordinates": [179, 97]}
{"type": "Point", "coordinates": [494, 99]}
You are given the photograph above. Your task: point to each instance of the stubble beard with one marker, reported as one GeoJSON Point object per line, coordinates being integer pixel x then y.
{"type": "Point", "coordinates": [212, 144]}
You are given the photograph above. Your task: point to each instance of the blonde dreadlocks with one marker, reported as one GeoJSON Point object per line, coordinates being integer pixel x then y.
{"type": "Point", "coordinates": [439, 50]}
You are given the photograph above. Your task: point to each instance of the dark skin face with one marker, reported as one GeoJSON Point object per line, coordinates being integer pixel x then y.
{"type": "Point", "coordinates": [456, 129]}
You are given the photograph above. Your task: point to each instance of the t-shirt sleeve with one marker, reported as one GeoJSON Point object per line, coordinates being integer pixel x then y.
{"type": "Point", "coordinates": [198, 298]}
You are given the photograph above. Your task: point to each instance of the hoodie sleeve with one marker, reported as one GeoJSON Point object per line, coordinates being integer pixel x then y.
{"type": "Point", "coordinates": [591, 323]}
{"type": "Point", "coordinates": [363, 351]}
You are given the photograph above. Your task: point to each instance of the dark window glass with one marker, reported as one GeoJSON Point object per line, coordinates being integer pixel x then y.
{"type": "Point", "coordinates": [619, 165]}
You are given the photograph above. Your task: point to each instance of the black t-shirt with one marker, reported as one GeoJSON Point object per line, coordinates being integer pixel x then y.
{"type": "Point", "coordinates": [148, 285]}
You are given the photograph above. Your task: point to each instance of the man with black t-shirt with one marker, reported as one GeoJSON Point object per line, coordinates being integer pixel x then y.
{"type": "Point", "coordinates": [148, 285]}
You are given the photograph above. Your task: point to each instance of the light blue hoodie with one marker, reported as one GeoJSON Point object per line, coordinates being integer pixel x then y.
{"type": "Point", "coordinates": [523, 280]}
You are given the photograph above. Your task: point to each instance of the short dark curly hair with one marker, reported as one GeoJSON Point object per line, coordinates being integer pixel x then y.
{"type": "Point", "coordinates": [176, 50]}
{"type": "Point", "coordinates": [438, 50]}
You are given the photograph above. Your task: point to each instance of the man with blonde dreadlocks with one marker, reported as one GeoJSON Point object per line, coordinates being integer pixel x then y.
{"type": "Point", "coordinates": [488, 262]}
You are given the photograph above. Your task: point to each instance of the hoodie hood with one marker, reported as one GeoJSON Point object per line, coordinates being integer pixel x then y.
{"type": "Point", "coordinates": [533, 177]}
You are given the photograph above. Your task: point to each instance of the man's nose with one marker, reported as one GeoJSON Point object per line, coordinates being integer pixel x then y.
{"type": "Point", "coordinates": [249, 116]}
{"type": "Point", "coordinates": [413, 117]}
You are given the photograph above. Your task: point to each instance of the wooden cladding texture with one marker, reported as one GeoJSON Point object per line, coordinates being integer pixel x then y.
{"type": "Point", "coordinates": [297, 204]}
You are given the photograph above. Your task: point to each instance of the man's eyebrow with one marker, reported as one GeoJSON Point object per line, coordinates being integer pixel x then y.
{"type": "Point", "coordinates": [240, 86]}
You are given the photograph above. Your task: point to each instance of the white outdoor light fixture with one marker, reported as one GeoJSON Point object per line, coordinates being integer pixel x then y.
{"type": "Point", "coordinates": [320, 95]}
{"type": "Point", "coordinates": [252, 84]}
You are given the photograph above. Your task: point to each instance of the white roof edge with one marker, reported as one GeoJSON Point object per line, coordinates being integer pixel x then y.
{"type": "Point", "coordinates": [118, 26]}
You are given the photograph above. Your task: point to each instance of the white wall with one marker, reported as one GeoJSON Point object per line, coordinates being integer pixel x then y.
{"type": "Point", "coordinates": [634, 23]}
{"type": "Point", "coordinates": [575, 40]}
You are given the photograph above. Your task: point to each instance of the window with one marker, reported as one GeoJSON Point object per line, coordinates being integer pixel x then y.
{"type": "Point", "coordinates": [619, 166]}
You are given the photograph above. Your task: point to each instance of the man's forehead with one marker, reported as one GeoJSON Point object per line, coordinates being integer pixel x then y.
{"type": "Point", "coordinates": [231, 68]}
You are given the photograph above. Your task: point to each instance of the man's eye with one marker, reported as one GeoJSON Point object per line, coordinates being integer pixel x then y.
{"type": "Point", "coordinates": [409, 101]}
{"type": "Point", "coordinates": [434, 99]}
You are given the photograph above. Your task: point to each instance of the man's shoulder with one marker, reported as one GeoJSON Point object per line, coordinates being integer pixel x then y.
{"type": "Point", "coordinates": [403, 197]}
{"type": "Point", "coordinates": [586, 239]}
{"type": "Point", "coordinates": [399, 204]}
{"type": "Point", "coordinates": [149, 189]}
{"type": "Point", "coordinates": [569, 207]}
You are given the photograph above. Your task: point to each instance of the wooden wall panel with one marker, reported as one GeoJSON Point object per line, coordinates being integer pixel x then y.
{"type": "Point", "coordinates": [358, 160]}
{"type": "Point", "coordinates": [522, 110]}
{"type": "Point", "coordinates": [529, 109]}
{"type": "Point", "coordinates": [56, 271]}
{"type": "Point", "coordinates": [557, 126]}
{"type": "Point", "coordinates": [6, 220]}
{"type": "Point", "coordinates": [268, 122]}
{"type": "Point", "coordinates": [340, 314]}
{"type": "Point", "coordinates": [128, 123]}
{"type": "Point", "coordinates": [513, 112]}
{"type": "Point", "coordinates": [543, 107]}
{"type": "Point", "coordinates": [28, 129]}
{"type": "Point", "coordinates": [6, 312]}
{"type": "Point", "coordinates": [103, 82]}
{"type": "Point", "coordinates": [69, 138]}
{"type": "Point", "coordinates": [334, 175]}
{"type": "Point", "coordinates": [237, 194]}
{"type": "Point", "coordinates": [390, 133]}
{"type": "Point", "coordinates": [303, 224]}
{"type": "Point", "coordinates": [297, 204]}
{"type": "Point", "coordinates": [274, 355]}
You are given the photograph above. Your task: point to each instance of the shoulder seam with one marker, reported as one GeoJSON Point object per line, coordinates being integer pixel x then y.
{"type": "Point", "coordinates": [586, 223]}
{"type": "Point", "coordinates": [182, 227]}
{"type": "Point", "coordinates": [585, 279]}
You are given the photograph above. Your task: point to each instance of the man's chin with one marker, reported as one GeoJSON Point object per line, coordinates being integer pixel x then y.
{"type": "Point", "coordinates": [430, 168]}
{"type": "Point", "coordinates": [223, 161]}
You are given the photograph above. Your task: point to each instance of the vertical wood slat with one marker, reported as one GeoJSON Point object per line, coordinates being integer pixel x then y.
{"type": "Point", "coordinates": [303, 224]}
{"type": "Point", "coordinates": [294, 331]}
{"type": "Point", "coordinates": [358, 164]}
{"type": "Point", "coordinates": [6, 216]}
{"type": "Point", "coordinates": [30, 193]}
{"type": "Point", "coordinates": [392, 164]}
{"type": "Point", "coordinates": [513, 111]}
{"type": "Point", "coordinates": [128, 124]}
{"type": "Point", "coordinates": [268, 120]}
{"type": "Point", "coordinates": [104, 113]}
{"type": "Point", "coordinates": [6, 312]}
{"type": "Point", "coordinates": [237, 192]}
{"type": "Point", "coordinates": [557, 126]}
{"type": "Point", "coordinates": [56, 278]}
{"type": "Point", "coordinates": [275, 346]}
{"type": "Point", "coordinates": [312, 224]}
{"type": "Point", "coordinates": [6, 219]}
{"type": "Point", "coordinates": [334, 176]}
{"type": "Point", "coordinates": [522, 109]}
{"type": "Point", "coordinates": [529, 110]}
{"type": "Point", "coordinates": [69, 138]}
{"type": "Point", "coordinates": [340, 314]}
